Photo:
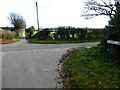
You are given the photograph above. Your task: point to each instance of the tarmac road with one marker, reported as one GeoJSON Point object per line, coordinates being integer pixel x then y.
{"type": "Point", "coordinates": [26, 65]}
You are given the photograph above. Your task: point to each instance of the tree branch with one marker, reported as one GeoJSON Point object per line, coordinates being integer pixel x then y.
{"type": "Point", "coordinates": [99, 8]}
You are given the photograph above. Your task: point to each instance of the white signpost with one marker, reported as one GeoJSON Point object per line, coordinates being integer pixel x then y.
{"type": "Point", "coordinates": [113, 42]}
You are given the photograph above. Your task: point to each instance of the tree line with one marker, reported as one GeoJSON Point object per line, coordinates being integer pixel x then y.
{"type": "Point", "coordinates": [69, 33]}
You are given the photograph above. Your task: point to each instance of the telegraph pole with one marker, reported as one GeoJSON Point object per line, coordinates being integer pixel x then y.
{"type": "Point", "coordinates": [37, 15]}
{"type": "Point", "coordinates": [117, 13]}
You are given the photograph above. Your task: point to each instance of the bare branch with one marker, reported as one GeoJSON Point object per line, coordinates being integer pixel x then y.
{"type": "Point", "coordinates": [17, 21]}
{"type": "Point", "coordinates": [95, 8]}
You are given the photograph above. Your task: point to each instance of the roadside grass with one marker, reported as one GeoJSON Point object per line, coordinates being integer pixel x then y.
{"type": "Point", "coordinates": [92, 68]}
{"type": "Point", "coordinates": [10, 41]}
{"type": "Point", "coordinates": [59, 41]}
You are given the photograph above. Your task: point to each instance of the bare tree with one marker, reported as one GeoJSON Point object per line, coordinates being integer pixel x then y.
{"type": "Point", "coordinates": [17, 21]}
{"type": "Point", "coordinates": [99, 7]}
{"type": "Point", "coordinates": [109, 8]}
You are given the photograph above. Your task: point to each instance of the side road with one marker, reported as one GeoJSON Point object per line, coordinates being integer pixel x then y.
{"type": "Point", "coordinates": [26, 65]}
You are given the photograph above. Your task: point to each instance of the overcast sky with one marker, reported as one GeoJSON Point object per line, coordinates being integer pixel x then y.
{"type": "Point", "coordinates": [52, 13]}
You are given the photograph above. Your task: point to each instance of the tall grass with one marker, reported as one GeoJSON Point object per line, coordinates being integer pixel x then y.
{"type": "Point", "coordinates": [7, 34]}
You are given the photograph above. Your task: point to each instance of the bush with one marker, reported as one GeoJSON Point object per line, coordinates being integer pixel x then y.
{"type": "Point", "coordinates": [43, 35]}
{"type": "Point", "coordinates": [30, 31]}
{"type": "Point", "coordinates": [7, 34]}
{"type": "Point", "coordinates": [0, 34]}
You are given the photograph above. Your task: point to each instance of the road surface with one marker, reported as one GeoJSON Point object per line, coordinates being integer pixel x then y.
{"type": "Point", "coordinates": [26, 65]}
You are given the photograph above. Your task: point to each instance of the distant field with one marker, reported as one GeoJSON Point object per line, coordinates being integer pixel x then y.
{"type": "Point", "coordinates": [52, 34]}
{"type": "Point", "coordinates": [35, 32]}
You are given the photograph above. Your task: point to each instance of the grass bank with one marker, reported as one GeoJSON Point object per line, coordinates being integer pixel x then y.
{"type": "Point", "coordinates": [6, 41]}
{"type": "Point", "coordinates": [92, 68]}
{"type": "Point", "coordinates": [58, 41]}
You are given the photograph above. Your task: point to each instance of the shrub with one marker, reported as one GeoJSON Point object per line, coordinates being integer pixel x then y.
{"type": "Point", "coordinates": [30, 31]}
{"type": "Point", "coordinates": [43, 35]}
{"type": "Point", "coordinates": [7, 34]}
{"type": "Point", "coordinates": [0, 34]}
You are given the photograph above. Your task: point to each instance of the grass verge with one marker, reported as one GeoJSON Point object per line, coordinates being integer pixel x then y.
{"type": "Point", "coordinates": [92, 68]}
{"type": "Point", "coordinates": [58, 41]}
{"type": "Point", "coordinates": [6, 41]}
